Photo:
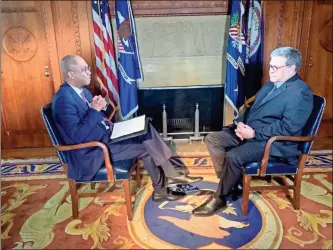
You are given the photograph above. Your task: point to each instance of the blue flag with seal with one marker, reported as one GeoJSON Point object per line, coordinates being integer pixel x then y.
{"type": "Point", "coordinates": [254, 50]}
{"type": "Point", "coordinates": [236, 51]}
{"type": "Point", "coordinates": [129, 66]}
{"type": "Point", "coordinates": [244, 55]}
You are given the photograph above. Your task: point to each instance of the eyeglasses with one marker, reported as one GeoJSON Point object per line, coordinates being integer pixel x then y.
{"type": "Point", "coordinates": [87, 70]}
{"type": "Point", "coordinates": [276, 68]}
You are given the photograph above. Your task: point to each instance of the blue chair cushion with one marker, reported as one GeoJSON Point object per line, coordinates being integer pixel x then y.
{"type": "Point", "coordinates": [121, 170]}
{"type": "Point", "coordinates": [273, 168]}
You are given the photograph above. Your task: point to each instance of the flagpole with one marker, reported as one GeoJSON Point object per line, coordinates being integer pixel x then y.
{"type": "Point", "coordinates": [224, 106]}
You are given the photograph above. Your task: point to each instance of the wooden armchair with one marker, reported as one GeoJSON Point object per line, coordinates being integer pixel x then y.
{"type": "Point", "coordinates": [294, 172]}
{"type": "Point", "coordinates": [109, 172]}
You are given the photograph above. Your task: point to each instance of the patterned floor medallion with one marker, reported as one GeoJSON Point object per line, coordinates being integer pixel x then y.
{"type": "Point", "coordinates": [170, 225]}
{"type": "Point", "coordinates": [36, 212]}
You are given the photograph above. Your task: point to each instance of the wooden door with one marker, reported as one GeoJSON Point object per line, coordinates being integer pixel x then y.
{"type": "Point", "coordinates": [317, 62]}
{"type": "Point", "coordinates": [26, 74]}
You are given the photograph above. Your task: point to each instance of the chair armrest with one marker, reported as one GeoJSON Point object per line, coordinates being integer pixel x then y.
{"type": "Point", "coordinates": [108, 164]}
{"type": "Point", "coordinates": [265, 158]}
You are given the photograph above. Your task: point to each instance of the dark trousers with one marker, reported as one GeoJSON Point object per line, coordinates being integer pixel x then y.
{"type": "Point", "coordinates": [154, 153]}
{"type": "Point", "coordinates": [228, 154]}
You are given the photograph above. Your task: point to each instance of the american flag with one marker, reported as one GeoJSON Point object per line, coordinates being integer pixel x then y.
{"type": "Point", "coordinates": [105, 55]}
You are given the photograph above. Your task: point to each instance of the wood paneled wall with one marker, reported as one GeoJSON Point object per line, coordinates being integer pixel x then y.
{"type": "Point", "coordinates": [303, 25]}
{"type": "Point", "coordinates": [66, 28]}
{"type": "Point", "coordinates": [283, 24]}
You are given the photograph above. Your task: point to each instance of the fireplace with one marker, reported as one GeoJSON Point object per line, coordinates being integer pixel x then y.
{"type": "Point", "coordinates": [180, 105]}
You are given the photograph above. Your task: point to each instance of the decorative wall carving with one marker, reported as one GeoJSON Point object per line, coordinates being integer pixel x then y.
{"type": "Point", "coordinates": [325, 35]}
{"type": "Point", "coordinates": [18, 9]}
{"type": "Point", "coordinates": [280, 22]}
{"type": "Point", "coordinates": [180, 4]}
{"type": "Point", "coordinates": [19, 43]}
{"type": "Point", "coordinates": [76, 28]}
{"type": "Point", "coordinates": [297, 22]}
{"type": "Point", "coordinates": [192, 48]}
{"type": "Point", "coordinates": [177, 8]}
{"type": "Point", "coordinates": [181, 37]}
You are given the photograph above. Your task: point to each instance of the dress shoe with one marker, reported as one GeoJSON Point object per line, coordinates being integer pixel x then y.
{"type": "Point", "coordinates": [210, 207]}
{"type": "Point", "coordinates": [167, 196]}
{"type": "Point", "coordinates": [236, 192]}
{"type": "Point", "coordinates": [183, 171]}
{"type": "Point", "coordinates": [183, 179]}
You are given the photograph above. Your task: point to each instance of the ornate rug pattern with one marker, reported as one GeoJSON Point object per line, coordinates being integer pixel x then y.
{"type": "Point", "coordinates": [36, 213]}
{"type": "Point", "coordinates": [53, 169]}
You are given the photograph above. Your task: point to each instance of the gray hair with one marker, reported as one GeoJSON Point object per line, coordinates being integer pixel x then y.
{"type": "Point", "coordinates": [67, 62]}
{"type": "Point", "coordinates": [292, 55]}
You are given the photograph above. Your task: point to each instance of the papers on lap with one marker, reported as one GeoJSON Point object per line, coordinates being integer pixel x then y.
{"type": "Point", "coordinates": [129, 128]}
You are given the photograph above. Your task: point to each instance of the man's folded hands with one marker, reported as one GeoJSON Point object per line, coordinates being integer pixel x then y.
{"type": "Point", "coordinates": [244, 131]}
{"type": "Point", "coordinates": [98, 103]}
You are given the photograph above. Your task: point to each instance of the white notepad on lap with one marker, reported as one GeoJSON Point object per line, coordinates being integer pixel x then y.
{"type": "Point", "coordinates": [129, 127]}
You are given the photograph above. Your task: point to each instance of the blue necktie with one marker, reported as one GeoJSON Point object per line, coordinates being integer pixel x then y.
{"type": "Point", "coordinates": [269, 93]}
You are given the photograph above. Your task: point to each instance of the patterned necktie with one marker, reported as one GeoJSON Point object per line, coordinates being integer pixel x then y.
{"type": "Point", "coordinates": [84, 98]}
{"type": "Point", "coordinates": [269, 93]}
{"type": "Point", "coordinates": [108, 123]}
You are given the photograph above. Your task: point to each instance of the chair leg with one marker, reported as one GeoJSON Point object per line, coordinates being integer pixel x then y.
{"type": "Point", "coordinates": [268, 178]}
{"type": "Point", "coordinates": [128, 201]}
{"type": "Point", "coordinates": [138, 176]}
{"type": "Point", "coordinates": [297, 191]}
{"type": "Point", "coordinates": [74, 198]}
{"type": "Point", "coordinates": [246, 194]}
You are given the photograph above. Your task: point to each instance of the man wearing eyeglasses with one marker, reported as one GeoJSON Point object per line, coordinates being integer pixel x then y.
{"type": "Point", "coordinates": [281, 107]}
{"type": "Point", "coordinates": [81, 118]}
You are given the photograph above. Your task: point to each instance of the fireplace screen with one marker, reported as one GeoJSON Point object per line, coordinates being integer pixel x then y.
{"type": "Point", "coordinates": [180, 107]}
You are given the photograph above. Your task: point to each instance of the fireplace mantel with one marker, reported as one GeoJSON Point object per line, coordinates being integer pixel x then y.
{"type": "Point", "coordinates": [177, 8]}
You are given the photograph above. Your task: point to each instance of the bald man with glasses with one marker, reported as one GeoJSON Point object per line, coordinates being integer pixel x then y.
{"type": "Point", "coordinates": [81, 118]}
{"type": "Point", "coordinates": [281, 108]}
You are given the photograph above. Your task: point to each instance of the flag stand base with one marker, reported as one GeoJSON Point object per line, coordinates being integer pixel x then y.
{"type": "Point", "coordinates": [196, 138]}
{"type": "Point", "coordinates": [168, 139]}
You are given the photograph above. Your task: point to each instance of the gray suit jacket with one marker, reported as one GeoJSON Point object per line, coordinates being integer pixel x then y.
{"type": "Point", "coordinates": [285, 112]}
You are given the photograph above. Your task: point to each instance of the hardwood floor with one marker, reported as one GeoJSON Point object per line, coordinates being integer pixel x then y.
{"type": "Point", "coordinates": [24, 153]}
{"type": "Point", "coordinates": [196, 148]}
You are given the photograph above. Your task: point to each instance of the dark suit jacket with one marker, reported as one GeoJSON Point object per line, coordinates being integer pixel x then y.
{"type": "Point", "coordinates": [285, 112]}
{"type": "Point", "coordinates": [77, 123]}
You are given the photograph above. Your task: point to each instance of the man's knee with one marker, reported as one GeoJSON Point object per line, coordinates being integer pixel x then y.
{"type": "Point", "coordinates": [233, 158]}
{"type": "Point", "coordinates": [217, 139]}
{"type": "Point", "coordinates": [209, 138]}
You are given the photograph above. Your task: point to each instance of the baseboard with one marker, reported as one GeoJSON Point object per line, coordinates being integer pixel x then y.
{"type": "Point", "coordinates": [27, 153]}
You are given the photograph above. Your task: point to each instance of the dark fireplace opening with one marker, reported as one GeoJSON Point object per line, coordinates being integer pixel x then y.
{"type": "Point", "coordinates": [180, 107]}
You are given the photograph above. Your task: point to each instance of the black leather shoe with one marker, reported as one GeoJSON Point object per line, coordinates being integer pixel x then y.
{"type": "Point", "coordinates": [210, 207]}
{"type": "Point", "coordinates": [183, 179]}
{"type": "Point", "coordinates": [167, 196]}
{"type": "Point", "coordinates": [236, 192]}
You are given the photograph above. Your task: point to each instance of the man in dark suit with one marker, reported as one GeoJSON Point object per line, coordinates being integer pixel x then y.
{"type": "Point", "coordinates": [80, 118]}
{"type": "Point", "coordinates": [281, 107]}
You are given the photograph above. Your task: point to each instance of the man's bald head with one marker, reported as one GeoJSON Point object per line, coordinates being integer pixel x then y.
{"type": "Point", "coordinates": [75, 70]}
{"type": "Point", "coordinates": [68, 63]}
